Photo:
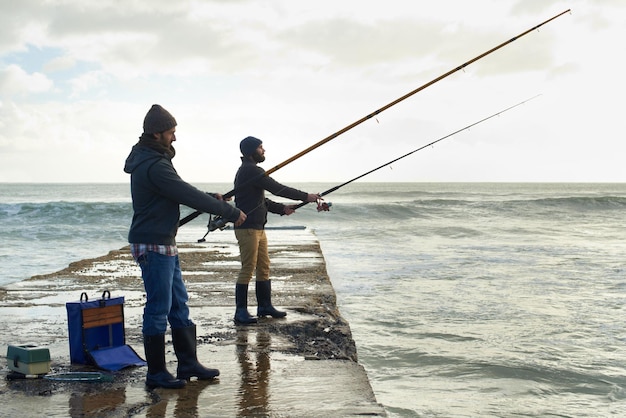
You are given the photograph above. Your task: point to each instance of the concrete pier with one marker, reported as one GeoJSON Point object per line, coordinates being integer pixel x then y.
{"type": "Point", "coordinates": [305, 365]}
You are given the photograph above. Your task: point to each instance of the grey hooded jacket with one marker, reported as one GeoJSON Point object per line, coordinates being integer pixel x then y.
{"type": "Point", "coordinates": [250, 185]}
{"type": "Point", "coordinates": [157, 191]}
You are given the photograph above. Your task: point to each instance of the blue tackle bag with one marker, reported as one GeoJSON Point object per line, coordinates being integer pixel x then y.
{"type": "Point", "coordinates": [96, 333]}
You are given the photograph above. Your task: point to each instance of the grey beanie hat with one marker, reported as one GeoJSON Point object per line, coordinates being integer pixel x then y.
{"type": "Point", "coordinates": [248, 145]}
{"type": "Point", "coordinates": [158, 120]}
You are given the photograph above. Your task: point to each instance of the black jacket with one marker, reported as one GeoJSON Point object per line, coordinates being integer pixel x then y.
{"type": "Point", "coordinates": [250, 185]}
{"type": "Point", "coordinates": [157, 191]}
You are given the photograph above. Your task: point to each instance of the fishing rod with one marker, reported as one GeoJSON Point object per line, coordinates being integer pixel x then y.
{"type": "Point", "coordinates": [335, 188]}
{"type": "Point", "coordinates": [195, 214]}
{"type": "Point", "coordinates": [220, 223]}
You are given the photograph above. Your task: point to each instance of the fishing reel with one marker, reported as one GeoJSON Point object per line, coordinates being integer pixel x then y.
{"type": "Point", "coordinates": [214, 223]}
{"type": "Point", "coordinates": [323, 206]}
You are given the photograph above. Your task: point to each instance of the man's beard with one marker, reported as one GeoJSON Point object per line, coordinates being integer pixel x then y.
{"type": "Point", "coordinates": [258, 158]}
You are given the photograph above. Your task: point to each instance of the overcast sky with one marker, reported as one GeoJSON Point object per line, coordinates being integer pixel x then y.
{"type": "Point", "coordinates": [77, 78]}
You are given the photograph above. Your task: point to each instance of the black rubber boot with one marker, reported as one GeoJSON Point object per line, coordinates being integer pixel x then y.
{"type": "Point", "coordinates": [185, 347]}
{"type": "Point", "coordinates": [264, 299]}
{"type": "Point", "coordinates": [158, 376]}
{"type": "Point", "coordinates": [242, 316]}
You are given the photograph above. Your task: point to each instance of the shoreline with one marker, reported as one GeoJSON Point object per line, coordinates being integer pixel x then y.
{"type": "Point", "coordinates": [304, 365]}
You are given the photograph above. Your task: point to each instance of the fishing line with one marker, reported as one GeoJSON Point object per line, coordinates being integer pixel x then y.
{"type": "Point", "coordinates": [220, 223]}
{"type": "Point", "coordinates": [195, 214]}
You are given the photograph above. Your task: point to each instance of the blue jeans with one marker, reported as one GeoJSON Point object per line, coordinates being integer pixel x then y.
{"type": "Point", "coordinates": [166, 295]}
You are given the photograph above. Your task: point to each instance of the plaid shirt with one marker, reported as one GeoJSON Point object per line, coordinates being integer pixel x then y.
{"type": "Point", "coordinates": [137, 250]}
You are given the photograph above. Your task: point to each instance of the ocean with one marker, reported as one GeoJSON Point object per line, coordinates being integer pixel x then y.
{"type": "Point", "coordinates": [464, 299]}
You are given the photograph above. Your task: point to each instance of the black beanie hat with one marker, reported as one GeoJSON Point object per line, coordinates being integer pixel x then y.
{"type": "Point", "coordinates": [158, 120]}
{"type": "Point", "coordinates": [248, 145]}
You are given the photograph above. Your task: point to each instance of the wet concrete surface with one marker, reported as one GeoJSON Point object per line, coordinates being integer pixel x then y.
{"type": "Point", "coordinates": [304, 365]}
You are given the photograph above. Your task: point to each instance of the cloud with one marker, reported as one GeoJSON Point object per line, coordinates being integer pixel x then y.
{"type": "Point", "coordinates": [14, 80]}
{"type": "Point", "coordinates": [60, 63]}
{"type": "Point", "coordinates": [77, 78]}
{"type": "Point", "coordinates": [88, 82]}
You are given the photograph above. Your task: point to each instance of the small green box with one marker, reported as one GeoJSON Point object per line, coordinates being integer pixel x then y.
{"type": "Point", "coordinates": [28, 359]}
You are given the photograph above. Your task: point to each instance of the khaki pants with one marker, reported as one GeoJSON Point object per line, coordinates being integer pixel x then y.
{"type": "Point", "coordinates": [254, 255]}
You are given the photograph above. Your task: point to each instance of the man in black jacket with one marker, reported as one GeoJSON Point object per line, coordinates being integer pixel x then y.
{"type": "Point", "coordinates": [250, 185]}
{"type": "Point", "coordinates": [157, 192]}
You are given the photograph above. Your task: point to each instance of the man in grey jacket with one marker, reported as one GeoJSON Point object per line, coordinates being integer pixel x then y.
{"type": "Point", "coordinates": [157, 192]}
{"type": "Point", "coordinates": [251, 182]}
